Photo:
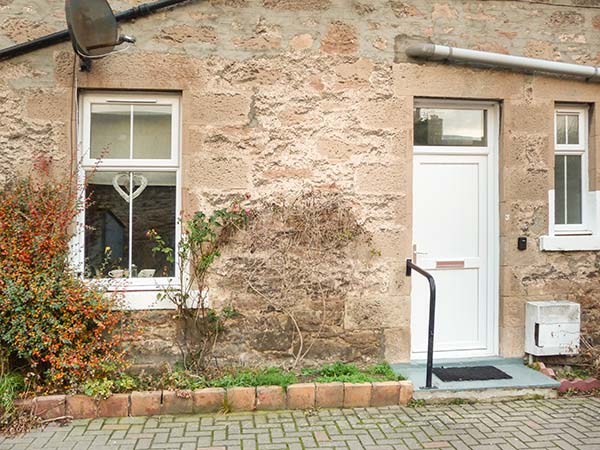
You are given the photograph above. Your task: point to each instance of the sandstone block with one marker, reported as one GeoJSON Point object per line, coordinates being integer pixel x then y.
{"type": "Point", "coordinates": [270, 398]}
{"type": "Point", "coordinates": [50, 406]}
{"type": "Point", "coordinates": [341, 38]}
{"type": "Point", "coordinates": [146, 403]}
{"type": "Point", "coordinates": [395, 113]}
{"type": "Point", "coordinates": [241, 398]}
{"type": "Point", "coordinates": [177, 402]}
{"type": "Point", "coordinates": [208, 400]}
{"type": "Point", "coordinates": [389, 178]}
{"type": "Point", "coordinates": [220, 109]}
{"type": "Point", "coordinates": [297, 5]}
{"type": "Point", "coordinates": [301, 42]}
{"type": "Point", "coordinates": [385, 393]}
{"type": "Point", "coordinates": [219, 173]}
{"type": "Point", "coordinates": [397, 344]}
{"type": "Point", "coordinates": [357, 395]}
{"type": "Point", "coordinates": [406, 392]}
{"type": "Point", "coordinates": [301, 396]}
{"type": "Point", "coordinates": [330, 395]}
{"type": "Point", "coordinates": [117, 405]}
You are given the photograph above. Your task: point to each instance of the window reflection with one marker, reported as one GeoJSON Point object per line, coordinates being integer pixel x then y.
{"type": "Point", "coordinates": [450, 127]}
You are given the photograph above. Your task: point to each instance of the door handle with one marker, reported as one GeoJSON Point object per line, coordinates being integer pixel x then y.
{"type": "Point", "coordinates": [415, 252]}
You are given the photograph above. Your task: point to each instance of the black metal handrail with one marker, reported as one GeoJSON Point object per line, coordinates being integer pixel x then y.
{"type": "Point", "coordinates": [410, 266]}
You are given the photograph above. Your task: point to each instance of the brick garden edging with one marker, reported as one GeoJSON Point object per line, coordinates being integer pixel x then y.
{"type": "Point", "coordinates": [209, 400]}
{"type": "Point", "coordinates": [577, 385]}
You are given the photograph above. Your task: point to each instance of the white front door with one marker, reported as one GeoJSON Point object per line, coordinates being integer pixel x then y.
{"type": "Point", "coordinates": [455, 233]}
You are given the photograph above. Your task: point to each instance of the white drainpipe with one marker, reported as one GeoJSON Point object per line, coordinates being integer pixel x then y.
{"type": "Point", "coordinates": [441, 52]}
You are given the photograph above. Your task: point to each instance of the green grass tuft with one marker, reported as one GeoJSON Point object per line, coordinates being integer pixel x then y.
{"type": "Point", "coordinates": [349, 373]}
{"type": "Point", "coordinates": [272, 376]}
{"type": "Point", "coordinates": [10, 386]}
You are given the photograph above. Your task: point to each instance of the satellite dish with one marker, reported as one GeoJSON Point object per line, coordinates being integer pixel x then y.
{"type": "Point", "coordinates": [93, 28]}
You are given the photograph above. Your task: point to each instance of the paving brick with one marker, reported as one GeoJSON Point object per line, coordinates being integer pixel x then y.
{"type": "Point", "coordinates": [117, 405]}
{"type": "Point", "coordinates": [270, 398]}
{"type": "Point", "coordinates": [241, 398]}
{"type": "Point", "coordinates": [50, 406]}
{"type": "Point", "coordinates": [81, 406]}
{"type": "Point", "coordinates": [406, 392]}
{"type": "Point", "coordinates": [301, 396]}
{"type": "Point", "coordinates": [330, 395]}
{"type": "Point", "coordinates": [146, 403]}
{"type": "Point", "coordinates": [567, 423]}
{"type": "Point", "coordinates": [357, 395]}
{"type": "Point", "coordinates": [208, 400]}
{"type": "Point", "coordinates": [177, 402]}
{"type": "Point", "coordinates": [385, 393]}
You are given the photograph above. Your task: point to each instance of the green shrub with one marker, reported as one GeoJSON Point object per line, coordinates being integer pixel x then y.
{"type": "Point", "coordinates": [65, 329]}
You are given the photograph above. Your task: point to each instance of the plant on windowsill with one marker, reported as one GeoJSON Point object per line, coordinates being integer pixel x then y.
{"type": "Point", "coordinates": [203, 237]}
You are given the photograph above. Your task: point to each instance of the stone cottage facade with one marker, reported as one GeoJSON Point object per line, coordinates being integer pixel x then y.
{"type": "Point", "coordinates": [447, 164]}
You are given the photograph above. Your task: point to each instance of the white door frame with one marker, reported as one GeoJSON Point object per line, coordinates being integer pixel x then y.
{"type": "Point", "coordinates": [491, 150]}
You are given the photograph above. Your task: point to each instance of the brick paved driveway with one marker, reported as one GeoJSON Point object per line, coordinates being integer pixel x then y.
{"type": "Point", "coordinates": [544, 424]}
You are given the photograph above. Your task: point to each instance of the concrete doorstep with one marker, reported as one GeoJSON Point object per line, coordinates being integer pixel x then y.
{"type": "Point", "coordinates": [234, 399]}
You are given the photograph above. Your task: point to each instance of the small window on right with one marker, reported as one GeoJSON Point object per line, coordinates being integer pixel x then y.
{"type": "Point", "coordinates": [570, 169]}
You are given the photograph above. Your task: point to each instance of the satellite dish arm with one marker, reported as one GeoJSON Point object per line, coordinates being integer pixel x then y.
{"type": "Point", "coordinates": [63, 36]}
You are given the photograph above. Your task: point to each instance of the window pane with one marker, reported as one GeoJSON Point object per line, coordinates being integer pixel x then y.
{"type": "Point", "coordinates": [559, 190]}
{"type": "Point", "coordinates": [573, 189]}
{"type": "Point", "coordinates": [450, 127]}
{"type": "Point", "coordinates": [107, 229]}
{"type": "Point", "coordinates": [110, 131]}
{"type": "Point", "coordinates": [152, 131]}
{"type": "Point", "coordinates": [153, 209]}
{"type": "Point", "coordinates": [573, 129]}
{"type": "Point", "coordinates": [561, 135]}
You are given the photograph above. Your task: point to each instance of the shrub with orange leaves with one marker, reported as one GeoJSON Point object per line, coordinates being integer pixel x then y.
{"type": "Point", "coordinates": [65, 329]}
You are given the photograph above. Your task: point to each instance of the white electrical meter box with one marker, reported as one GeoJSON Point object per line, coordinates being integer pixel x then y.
{"type": "Point", "coordinates": [552, 328]}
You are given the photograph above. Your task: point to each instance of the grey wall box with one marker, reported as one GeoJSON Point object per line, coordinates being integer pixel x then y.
{"type": "Point", "coordinates": [552, 328]}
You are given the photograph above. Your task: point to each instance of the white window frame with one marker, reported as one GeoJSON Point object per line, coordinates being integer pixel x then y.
{"type": "Point", "coordinates": [489, 107]}
{"type": "Point", "coordinates": [583, 236]}
{"type": "Point", "coordinates": [580, 149]}
{"type": "Point", "coordinates": [138, 291]}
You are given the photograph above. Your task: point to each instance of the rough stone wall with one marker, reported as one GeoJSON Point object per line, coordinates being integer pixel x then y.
{"type": "Point", "coordinates": [279, 95]}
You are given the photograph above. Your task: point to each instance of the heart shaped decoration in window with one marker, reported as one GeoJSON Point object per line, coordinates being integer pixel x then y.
{"type": "Point", "coordinates": [138, 180]}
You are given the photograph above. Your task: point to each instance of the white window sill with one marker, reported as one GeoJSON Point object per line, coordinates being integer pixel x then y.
{"type": "Point", "coordinates": [571, 243]}
{"type": "Point", "coordinates": [145, 300]}
{"type": "Point", "coordinates": [140, 294]}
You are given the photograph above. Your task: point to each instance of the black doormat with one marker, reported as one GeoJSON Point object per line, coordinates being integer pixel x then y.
{"type": "Point", "coordinates": [477, 373]}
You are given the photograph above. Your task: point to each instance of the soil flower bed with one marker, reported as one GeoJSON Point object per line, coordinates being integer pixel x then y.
{"type": "Point", "coordinates": [178, 392]}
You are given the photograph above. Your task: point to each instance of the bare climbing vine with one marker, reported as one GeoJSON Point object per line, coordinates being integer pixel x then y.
{"type": "Point", "coordinates": [296, 247]}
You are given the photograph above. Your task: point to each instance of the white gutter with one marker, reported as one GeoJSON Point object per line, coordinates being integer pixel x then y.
{"type": "Point", "coordinates": [441, 52]}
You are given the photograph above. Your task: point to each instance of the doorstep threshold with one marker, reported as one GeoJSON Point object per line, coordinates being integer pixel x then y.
{"type": "Point", "coordinates": [522, 377]}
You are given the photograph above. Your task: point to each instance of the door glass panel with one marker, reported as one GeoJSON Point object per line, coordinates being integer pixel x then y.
{"type": "Point", "coordinates": [154, 206]}
{"type": "Point", "coordinates": [450, 127]}
{"type": "Point", "coordinates": [152, 131]}
{"type": "Point", "coordinates": [107, 225]}
{"type": "Point", "coordinates": [110, 131]}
